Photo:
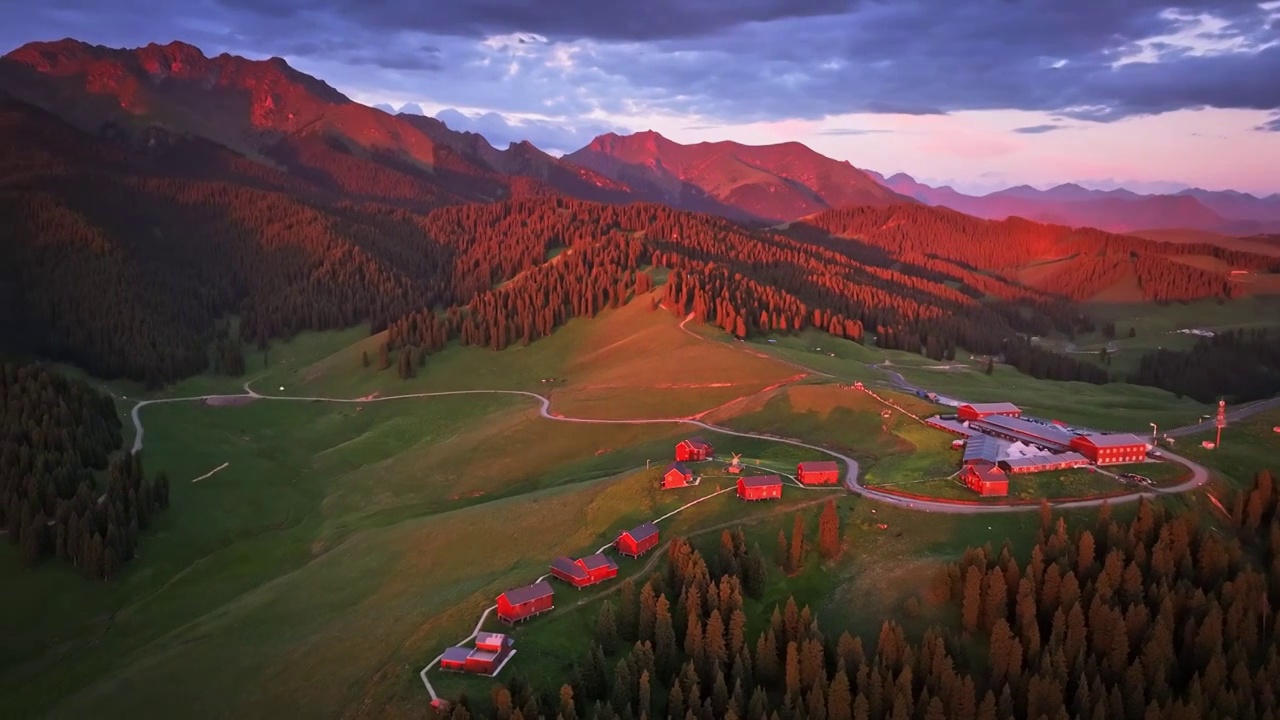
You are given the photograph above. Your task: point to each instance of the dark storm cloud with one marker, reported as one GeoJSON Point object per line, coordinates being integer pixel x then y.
{"type": "Point", "coordinates": [561, 19]}
{"type": "Point", "coordinates": [722, 60]}
{"type": "Point", "coordinates": [1272, 125]}
{"type": "Point", "coordinates": [1037, 129]}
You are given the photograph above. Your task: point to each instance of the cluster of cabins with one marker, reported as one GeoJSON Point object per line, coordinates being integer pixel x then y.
{"type": "Point", "coordinates": [492, 650]}
{"type": "Point", "coordinates": [759, 487]}
{"type": "Point", "coordinates": [998, 443]}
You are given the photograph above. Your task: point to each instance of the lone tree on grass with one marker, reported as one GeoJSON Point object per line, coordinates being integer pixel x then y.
{"type": "Point", "coordinates": [829, 531]}
{"type": "Point", "coordinates": [796, 557]}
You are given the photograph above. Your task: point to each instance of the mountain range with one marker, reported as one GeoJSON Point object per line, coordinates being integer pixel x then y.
{"type": "Point", "coordinates": [270, 113]}
{"type": "Point", "coordinates": [153, 194]}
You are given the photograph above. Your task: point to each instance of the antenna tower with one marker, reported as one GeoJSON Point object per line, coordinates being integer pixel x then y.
{"type": "Point", "coordinates": [1220, 422]}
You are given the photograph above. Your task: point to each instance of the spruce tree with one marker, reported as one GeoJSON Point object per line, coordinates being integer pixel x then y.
{"type": "Point", "coordinates": [829, 531]}
{"type": "Point", "coordinates": [797, 549]}
{"type": "Point", "coordinates": [607, 629]}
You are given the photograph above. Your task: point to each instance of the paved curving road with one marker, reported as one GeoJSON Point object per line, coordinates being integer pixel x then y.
{"type": "Point", "coordinates": [1199, 475]}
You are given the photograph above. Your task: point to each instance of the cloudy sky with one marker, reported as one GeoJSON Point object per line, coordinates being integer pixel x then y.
{"type": "Point", "coordinates": [978, 93]}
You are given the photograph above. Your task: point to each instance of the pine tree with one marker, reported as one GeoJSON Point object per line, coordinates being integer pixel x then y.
{"type": "Point", "coordinates": [797, 549]}
{"type": "Point", "coordinates": [971, 610]}
{"type": "Point", "coordinates": [607, 629]}
{"type": "Point", "coordinates": [839, 700]}
{"type": "Point", "coordinates": [595, 678]}
{"type": "Point", "coordinates": [364, 358]}
{"type": "Point", "coordinates": [628, 610]}
{"type": "Point", "coordinates": [648, 613]}
{"type": "Point", "coordinates": [646, 695]}
{"type": "Point", "coordinates": [567, 710]}
{"type": "Point", "coordinates": [664, 638]}
{"type": "Point", "coordinates": [783, 556]}
{"type": "Point", "coordinates": [829, 531]}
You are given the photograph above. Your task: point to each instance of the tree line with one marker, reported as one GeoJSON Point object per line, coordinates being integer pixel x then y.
{"type": "Point", "coordinates": [1158, 617]}
{"type": "Point", "coordinates": [1236, 365]}
{"type": "Point", "coordinates": [56, 435]}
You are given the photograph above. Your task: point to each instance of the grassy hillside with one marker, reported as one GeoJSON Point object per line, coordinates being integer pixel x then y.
{"type": "Point", "coordinates": [1115, 406]}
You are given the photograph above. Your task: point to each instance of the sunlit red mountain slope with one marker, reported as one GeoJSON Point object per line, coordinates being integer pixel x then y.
{"type": "Point", "coordinates": [772, 183]}
{"type": "Point", "coordinates": [270, 112]}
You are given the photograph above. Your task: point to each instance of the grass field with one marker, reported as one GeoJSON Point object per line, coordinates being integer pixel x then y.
{"type": "Point", "coordinates": [633, 362]}
{"type": "Point", "coordinates": [345, 545]}
{"type": "Point", "coordinates": [1247, 446]}
{"type": "Point", "coordinates": [1115, 406]}
{"type": "Point", "coordinates": [338, 544]}
{"type": "Point", "coordinates": [1156, 326]}
{"type": "Point", "coordinates": [340, 549]}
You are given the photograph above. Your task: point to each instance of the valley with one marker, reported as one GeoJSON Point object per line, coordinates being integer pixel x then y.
{"type": "Point", "coordinates": [383, 373]}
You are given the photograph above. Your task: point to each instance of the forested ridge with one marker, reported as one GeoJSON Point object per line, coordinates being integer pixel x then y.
{"type": "Point", "coordinates": [127, 261]}
{"type": "Point", "coordinates": [1158, 617]}
{"type": "Point", "coordinates": [1098, 259]}
{"type": "Point", "coordinates": [56, 435]}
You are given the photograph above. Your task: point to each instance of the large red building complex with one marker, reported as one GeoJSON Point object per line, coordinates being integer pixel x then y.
{"type": "Point", "coordinates": [1043, 435]}
{"type": "Point", "coordinates": [977, 411]}
{"type": "Point", "coordinates": [638, 540]}
{"type": "Point", "coordinates": [677, 475]}
{"type": "Point", "coordinates": [760, 487]}
{"type": "Point", "coordinates": [525, 602]}
{"type": "Point", "coordinates": [1111, 449]}
{"type": "Point", "coordinates": [694, 449]}
{"type": "Point", "coordinates": [585, 571]}
{"type": "Point", "coordinates": [819, 472]}
{"type": "Point", "coordinates": [486, 658]}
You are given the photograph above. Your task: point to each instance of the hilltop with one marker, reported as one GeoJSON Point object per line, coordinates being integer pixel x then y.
{"type": "Point", "coordinates": [772, 183]}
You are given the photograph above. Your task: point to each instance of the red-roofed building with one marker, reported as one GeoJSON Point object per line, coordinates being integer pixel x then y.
{"type": "Point", "coordinates": [820, 472]}
{"type": "Point", "coordinates": [977, 411]}
{"type": "Point", "coordinates": [694, 449]}
{"type": "Point", "coordinates": [760, 487]}
{"type": "Point", "coordinates": [638, 540]}
{"type": "Point", "coordinates": [585, 571]}
{"type": "Point", "coordinates": [486, 658]}
{"type": "Point", "coordinates": [1111, 449]}
{"type": "Point", "coordinates": [523, 603]}
{"type": "Point", "coordinates": [677, 475]}
{"type": "Point", "coordinates": [986, 480]}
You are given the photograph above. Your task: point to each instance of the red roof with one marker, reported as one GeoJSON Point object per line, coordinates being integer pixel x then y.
{"type": "Point", "coordinates": [760, 481]}
{"type": "Point", "coordinates": [642, 532]}
{"type": "Point", "coordinates": [819, 466]}
{"type": "Point", "coordinates": [1116, 440]}
{"type": "Point", "coordinates": [528, 593]}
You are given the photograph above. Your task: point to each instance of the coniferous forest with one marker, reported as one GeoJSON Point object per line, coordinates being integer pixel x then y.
{"type": "Point", "coordinates": [1158, 617]}
{"type": "Point", "coordinates": [171, 237]}
{"type": "Point", "coordinates": [56, 438]}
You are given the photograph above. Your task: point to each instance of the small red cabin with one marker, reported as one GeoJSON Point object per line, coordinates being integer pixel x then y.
{"type": "Point", "coordinates": [486, 658]}
{"type": "Point", "coordinates": [694, 449]}
{"type": "Point", "coordinates": [977, 411]}
{"type": "Point", "coordinates": [821, 472]}
{"type": "Point", "coordinates": [760, 487]}
{"type": "Point", "coordinates": [585, 571]}
{"type": "Point", "coordinates": [523, 603]}
{"type": "Point", "coordinates": [986, 480]}
{"type": "Point", "coordinates": [1111, 449]}
{"type": "Point", "coordinates": [638, 540]}
{"type": "Point", "coordinates": [677, 475]}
